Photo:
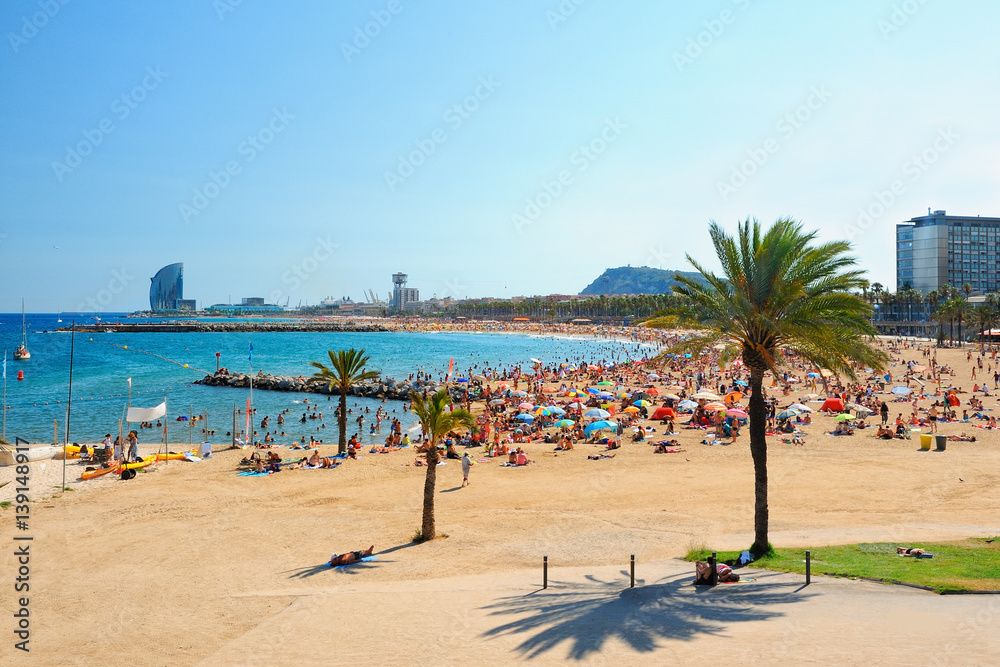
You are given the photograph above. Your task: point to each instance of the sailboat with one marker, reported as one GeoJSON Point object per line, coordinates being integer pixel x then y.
{"type": "Point", "coordinates": [21, 351]}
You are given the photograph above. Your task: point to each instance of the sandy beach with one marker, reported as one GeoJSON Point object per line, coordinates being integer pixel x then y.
{"type": "Point", "coordinates": [190, 563]}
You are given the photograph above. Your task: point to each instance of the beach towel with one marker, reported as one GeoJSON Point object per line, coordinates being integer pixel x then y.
{"type": "Point", "coordinates": [366, 559]}
{"type": "Point", "coordinates": [251, 473]}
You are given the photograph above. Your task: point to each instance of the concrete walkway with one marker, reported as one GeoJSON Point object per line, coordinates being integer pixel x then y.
{"type": "Point", "coordinates": [590, 616]}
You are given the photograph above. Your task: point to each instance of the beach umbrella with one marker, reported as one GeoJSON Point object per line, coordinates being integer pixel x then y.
{"type": "Point", "coordinates": [714, 407]}
{"type": "Point", "coordinates": [624, 394]}
{"type": "Point", "coordinates": [518, 393]}
{"type": "Point", "coordinates": [675, 387]}
{"type": "Point", "coordinates": [640, 395]}
{"type": "Point", "coordinates": [525, 406]}
{"type": "Point", "coordinates": [565, 423]}
{"type": "Point", "coordinates": [556, 410]}
{"type": "Point", "coordinates": [597, 412]}
{"type": "Point", "coordinates": [785, 414]}
{"type": "Point", "coordinates": [706, 396]}
{"type": "Point", "coordinates": [653, 391]}
{"type": "Point", "coordinates": [653, 376]}
{"type": "Point", "coordinates": [902, 391]}
{"type": "Point", "coordinates": [863, 411]}
{"type": "Point", "coordinates": [525, 418]}
{"type": "Point", "coordinates": [641, 403]}
{"type": "Point", "coordinates": [503, 385]}
{"type": "Point", "coordinates": [576, 405]}
{"type": "Point", "coordinates": [631, 408]}
{"type": "Point", "coordinates": [736, 412]}
{"type": "Point", "coordinates": [844, 417]}
{"type": "Point", "coordinates": [603, 383]}
{"type": "Point", "coordinates": [593, 390]}
{"type": "Point", "coordinates": [741, 383]}
{"type": "Point", "coordinates": [497, 401]}
{"type": "Point", "coordinates": [543, 411]}
{"type": "Point", "coordinates": [600, 426]}
{"type": "Point", "coordinates": [461, 379]}
{"type": "Point", "coordinates": [800, 407]}
{"type": "Point", "coordinates": [812, 374]}
{"type": "Point", "coordinates": [606, 395]}
{"type": "Point", "coordinates": [687, 405]}
{"type": "Point", "coordinates": [673, 397]}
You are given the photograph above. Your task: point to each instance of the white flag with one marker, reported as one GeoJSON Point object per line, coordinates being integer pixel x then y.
{"type": "Point", "coordinates": [146, 414]}
{"type": "Point", "coordinates": [130, 383]}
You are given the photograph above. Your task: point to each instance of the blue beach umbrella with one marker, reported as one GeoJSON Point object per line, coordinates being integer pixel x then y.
{"type": "Point", "coordinates": [563, 423]}
{"type": "Point", "coordinates": [600, 426]}
{"type": "Point", "coordinates": [597, 412]}
{"type": "Point", "coordinates": [525, 418]}
{"type": "Point", "coordinates": [556, 410]}
{"type": "Point", "coordinates": [902, 391]}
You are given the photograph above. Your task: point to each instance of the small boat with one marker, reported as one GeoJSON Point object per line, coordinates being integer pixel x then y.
{"type": "Point", "coordinates": [9, 456]}
{"type": "Point", "coordinates": [21, 351]}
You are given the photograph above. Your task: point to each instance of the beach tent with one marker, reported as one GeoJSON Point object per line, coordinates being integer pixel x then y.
{"type": "Point", "coordinates": [833, 404]}
{"type": "Point", "coordinates": [662, 412]}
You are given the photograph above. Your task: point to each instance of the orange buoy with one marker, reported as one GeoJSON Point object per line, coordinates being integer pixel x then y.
{"type": "Point", "coordinates": [20, 375]}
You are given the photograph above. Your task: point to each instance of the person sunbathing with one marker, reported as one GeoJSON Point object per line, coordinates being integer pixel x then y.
{"type": "Point", "coordinates": [350, 557]}
{"type": "Point", "coordinates": [909, 552]}
{"type": "Point", "coordinates": [962, 438]}
{"type": "Point", "coordinates": [703, 573]}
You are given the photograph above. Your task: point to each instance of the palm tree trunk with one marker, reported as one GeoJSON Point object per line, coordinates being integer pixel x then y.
{"type": "Point", "coordinates": [342, 422]}
{"type": "Point", "coordinates": [758, 451]}
{"type": "Point", "coordinates": [427, 524]}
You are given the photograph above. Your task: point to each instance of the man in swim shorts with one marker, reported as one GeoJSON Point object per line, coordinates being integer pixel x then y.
{"type": "Point", "coordinates": [350, 557]}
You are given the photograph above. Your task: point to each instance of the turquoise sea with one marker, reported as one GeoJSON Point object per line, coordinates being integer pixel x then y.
{"type": "Point", "coordinates": [102, 364]}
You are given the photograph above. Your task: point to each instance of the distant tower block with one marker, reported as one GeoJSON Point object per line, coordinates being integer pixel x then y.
{"type": "Point", "coordinates": [401, 295]}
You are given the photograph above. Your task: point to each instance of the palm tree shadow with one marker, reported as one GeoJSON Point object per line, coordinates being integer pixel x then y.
{"type": "Point", "coordinates": [673, 609]}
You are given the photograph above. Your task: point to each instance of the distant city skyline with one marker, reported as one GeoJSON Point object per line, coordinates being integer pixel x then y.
{"type": "Point", "coordinates": [308, 150]}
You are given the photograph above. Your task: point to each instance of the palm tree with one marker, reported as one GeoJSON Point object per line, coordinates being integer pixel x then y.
{"type": "Point", "coordinates": [347, 367]}
{"type": "Point", "coordinates": [779, 293]}
{"type": "Point", "coordinates": [437, 422]}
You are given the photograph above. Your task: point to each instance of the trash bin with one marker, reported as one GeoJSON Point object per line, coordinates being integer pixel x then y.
{"type": "Point", "coordinates": [925, 441]}
{"type": "Point", "coordinates": [942, 442]}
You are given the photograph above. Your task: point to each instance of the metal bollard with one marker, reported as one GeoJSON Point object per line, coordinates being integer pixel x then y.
{"type": "Point", "coordinates": [545, 571]}
{"type": "Point", "coordinates": [808, 567]}
{"type": "Point", "coordinates": [632, 573]}
{"type": "Point", "coordinates": [715, 570]}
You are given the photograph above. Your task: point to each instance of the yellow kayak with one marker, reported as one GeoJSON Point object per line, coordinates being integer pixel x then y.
{"type": "Point", "coordinates": [173, 456]}
{"type": "Point", "coordinates": [147, 461]}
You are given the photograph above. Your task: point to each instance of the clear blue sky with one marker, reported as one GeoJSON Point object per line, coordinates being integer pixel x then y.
{"type": "Point", "coordinates": [160, 96]}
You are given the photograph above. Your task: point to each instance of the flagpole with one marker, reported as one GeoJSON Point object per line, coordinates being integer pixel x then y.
{"type": "Point", "coordinates": [69, 404]}
{"type": "Point", "coordinates": [250, 409]}
{"type": "Point", "coordinates": [3, 436]}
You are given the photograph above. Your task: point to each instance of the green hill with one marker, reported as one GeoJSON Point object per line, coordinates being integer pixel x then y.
{"type": "Point", "coordinates": [636, 280]}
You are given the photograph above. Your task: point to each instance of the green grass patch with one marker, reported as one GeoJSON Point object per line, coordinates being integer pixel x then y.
{"type": "Point", "coordinates": [966, 565]}
{"type": "Point", "coordinates": [5, 504]}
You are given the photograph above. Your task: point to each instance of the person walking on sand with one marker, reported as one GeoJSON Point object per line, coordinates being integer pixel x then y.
{"type": "Point", "coordinates": [884, 410]}
{"type": "Point", "coordinates": [466, 467]}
